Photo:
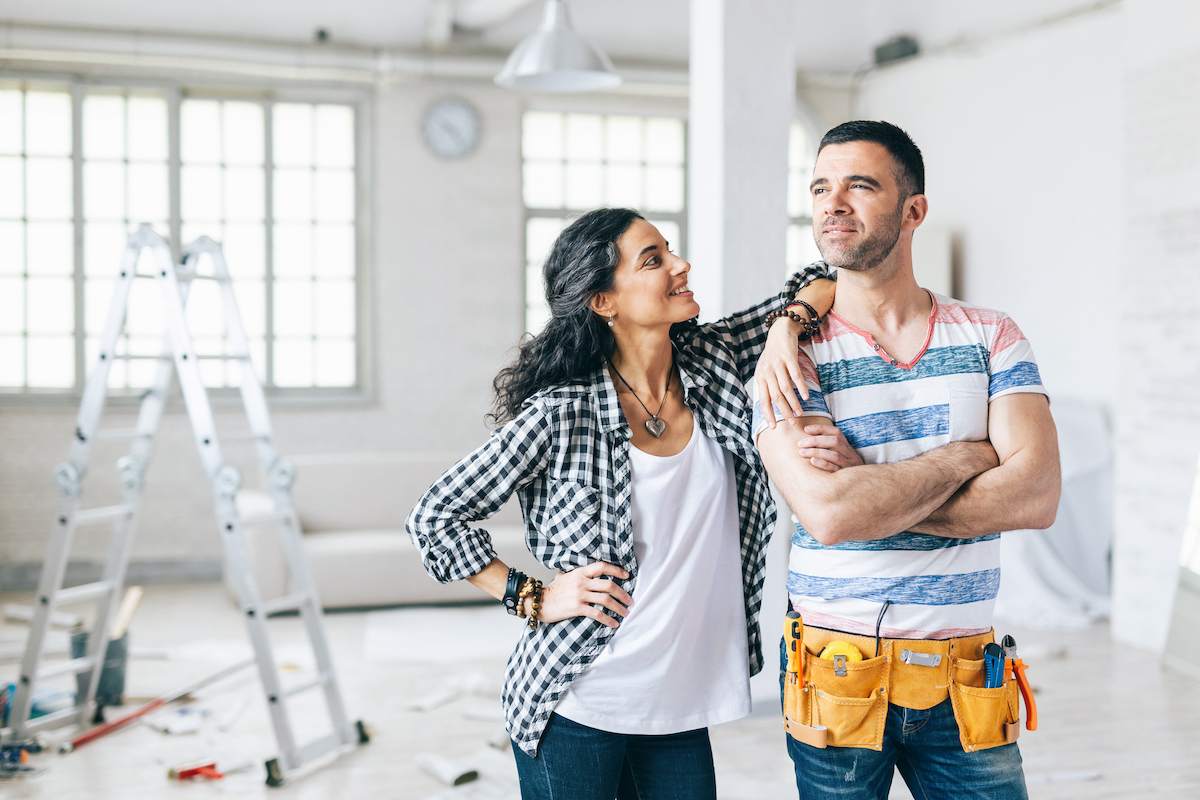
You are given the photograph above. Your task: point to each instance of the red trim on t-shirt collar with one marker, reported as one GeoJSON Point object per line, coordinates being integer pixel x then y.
{"type": "Point", "coordinates": [880, 352]}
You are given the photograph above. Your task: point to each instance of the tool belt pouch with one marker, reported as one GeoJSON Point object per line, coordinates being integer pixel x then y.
{"type": "Point", "coordinates": [797, 713]}
{"type": "Point", "coordinates": [986, 717]}
{"type": "Point", "coordinates": [843, 703]}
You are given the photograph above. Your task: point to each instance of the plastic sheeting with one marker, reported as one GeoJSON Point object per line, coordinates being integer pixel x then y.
{"type": "Point", "coordinates": [1060, 577]}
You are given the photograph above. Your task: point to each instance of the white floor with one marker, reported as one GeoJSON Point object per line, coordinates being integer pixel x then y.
{"type": "Point", "coordinates": [1113, 723]}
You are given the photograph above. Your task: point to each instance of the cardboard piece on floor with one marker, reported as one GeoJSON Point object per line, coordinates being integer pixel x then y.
{"type": "Point", "coordinates": [450, 771]}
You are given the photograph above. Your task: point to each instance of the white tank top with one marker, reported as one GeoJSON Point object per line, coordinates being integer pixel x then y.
{"type": "Point", "coordinates": [678, 661]}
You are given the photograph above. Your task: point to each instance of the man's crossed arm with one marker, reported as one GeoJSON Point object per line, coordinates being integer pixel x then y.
{"type": "Point", "coordinates": [962, 489]}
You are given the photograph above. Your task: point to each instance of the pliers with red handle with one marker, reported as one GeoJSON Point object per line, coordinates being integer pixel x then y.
{"type": "Point", "coordinates": [1018, 671]}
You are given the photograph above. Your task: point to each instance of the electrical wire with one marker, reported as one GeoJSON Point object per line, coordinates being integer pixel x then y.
{"type": "Point", "coordinates": [878, 623]}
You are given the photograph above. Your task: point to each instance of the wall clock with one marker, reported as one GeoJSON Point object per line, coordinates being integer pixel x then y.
{"type": "Point", "coordinates": [451, 127]}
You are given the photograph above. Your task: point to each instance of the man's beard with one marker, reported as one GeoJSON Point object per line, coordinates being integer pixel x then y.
{"type": "Point", "coordinates": [870, 252]}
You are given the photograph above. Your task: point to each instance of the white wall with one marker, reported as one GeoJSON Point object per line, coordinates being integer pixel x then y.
{"type": "Point", "coordinates": [1158, 420]}
{"type": "Point", "coordinates": [445, 298]}
{"type": "Point", "coordinates": [1022, 146]}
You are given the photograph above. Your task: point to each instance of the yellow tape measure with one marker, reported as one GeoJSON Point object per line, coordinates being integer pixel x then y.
{"type": "Point", "coordinates": [839, 647]}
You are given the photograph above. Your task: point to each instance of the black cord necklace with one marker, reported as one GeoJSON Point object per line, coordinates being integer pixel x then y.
{"type": "Point", "coordinates": [655, 425]}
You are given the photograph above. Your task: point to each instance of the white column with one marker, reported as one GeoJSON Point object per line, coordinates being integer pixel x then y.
{"type": "Point", "coordinates": [742, 75]}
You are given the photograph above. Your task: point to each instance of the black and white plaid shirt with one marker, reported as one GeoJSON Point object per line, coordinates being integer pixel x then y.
{"type": "Point", "coordinates": [567, 456]}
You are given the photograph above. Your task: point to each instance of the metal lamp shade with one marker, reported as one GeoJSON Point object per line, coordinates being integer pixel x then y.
{"type": "Point", "coordinates": [555, 58]}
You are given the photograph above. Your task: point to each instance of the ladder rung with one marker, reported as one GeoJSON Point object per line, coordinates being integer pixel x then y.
{"type": "Point", "coordinates": [72, 667]}
{"type": "Point", "coordinates": [91, 516]}
{"type": "Point", "coordinates": [199, 357]}
{"type": "Point", "coordinates": [57, 619]}
{"type": "Point", "coordinates": [245, 437]}
{"type": "Point", "coordinates": [191, 276]}
{"type": "Point", "coordinates": [52, 719]}
{"type": "Point", "coordinates": [121, 433]}
{"type": "Point", "coordinates": [150, 275]}
{"type": "Point", "coordinates": [299, 688]}
{"type": "Point", "coordinates": [252, 520]}
{"type": "Point", "coordinates": [318, 747]}
{"type": "Point", "coordinates": [82, 593]}
{"type": "Point", "coordinates": [289, 602]}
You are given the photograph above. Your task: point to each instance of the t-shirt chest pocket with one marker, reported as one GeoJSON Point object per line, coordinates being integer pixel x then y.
{"type": "Point", "coordinates": [969, 410]}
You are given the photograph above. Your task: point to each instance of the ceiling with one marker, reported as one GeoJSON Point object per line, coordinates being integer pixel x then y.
{"type": "Point", "coordinates": [830, 37]}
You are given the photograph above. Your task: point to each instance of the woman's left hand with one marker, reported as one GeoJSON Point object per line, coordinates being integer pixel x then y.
{"type": "Point", "coordinates": [826, 448]}
{"type": "Point", "coordinates": [777, 374]}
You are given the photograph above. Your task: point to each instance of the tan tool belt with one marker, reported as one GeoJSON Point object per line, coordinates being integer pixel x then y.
{"type": "Point", "coordinates": [842, 703]}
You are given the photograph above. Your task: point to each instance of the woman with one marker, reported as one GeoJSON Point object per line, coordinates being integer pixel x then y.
{"type": "Point", "coordinates": [625, 433]}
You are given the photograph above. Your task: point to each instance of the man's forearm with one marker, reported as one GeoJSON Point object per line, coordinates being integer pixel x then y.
{"type": "Point", "coordinates": [874, 501]}
{"type": "Point", "coordinates": [1023, 491]}
{"type": "Point", "coordinates": [1016, 495]}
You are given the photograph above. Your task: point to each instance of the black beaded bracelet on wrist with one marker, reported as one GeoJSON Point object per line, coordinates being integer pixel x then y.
{"type": "Point", "coordinates": [811, 324]}
{"type": "Point", "coordinates": [512, 589]}
{"type": "Point", "coordinates": [812, 312]}
{"type": "Point", "coordinates": [783, 312]}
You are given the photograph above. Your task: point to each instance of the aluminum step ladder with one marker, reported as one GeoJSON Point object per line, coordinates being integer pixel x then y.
{"type": "Point", "coordinates": [178, 356]}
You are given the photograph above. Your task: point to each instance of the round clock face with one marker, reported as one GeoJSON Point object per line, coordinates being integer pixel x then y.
{"type": "Point", "coordinates": [451, 127]}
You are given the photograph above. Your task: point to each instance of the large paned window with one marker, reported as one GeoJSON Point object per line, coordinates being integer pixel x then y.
{"type": "Point", "coordinates": [37, 265]}
{"type": "Point", "coordinates": [801, 249]}
{"type": "Point", "coordinates": [574, 162]}
{"type": "Point", "coordinates": [275, 182]}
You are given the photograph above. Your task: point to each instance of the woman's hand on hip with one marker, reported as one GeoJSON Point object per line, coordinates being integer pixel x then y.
{"type": "Point", "coordinates": [587, 592]}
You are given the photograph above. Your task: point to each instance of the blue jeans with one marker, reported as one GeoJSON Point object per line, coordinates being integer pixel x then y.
{"type": "Point", "coordinates": [924, 746]}
{"type": "Point", "coordinates": [575, 762]}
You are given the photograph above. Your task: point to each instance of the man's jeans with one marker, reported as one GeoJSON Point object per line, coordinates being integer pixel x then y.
{"type": "Point", "coordinates": [924, 746]}
{"type": "Point", "coordinates": [575, 762]}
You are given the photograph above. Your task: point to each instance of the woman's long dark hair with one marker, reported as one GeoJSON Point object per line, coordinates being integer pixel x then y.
{"type": "Point", "coordinates": [581, 264]}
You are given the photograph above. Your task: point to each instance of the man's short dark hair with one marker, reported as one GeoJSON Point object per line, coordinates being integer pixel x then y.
{"type": "Point", "coordinates": [911, 166]}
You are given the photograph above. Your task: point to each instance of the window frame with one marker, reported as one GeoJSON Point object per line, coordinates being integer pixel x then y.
{"type": "Point", "coordinates": [364, 391]}
{"type": "Point", "coordinates": [802, 221]}
{"type": "Point", "coordinates": [602, 110]}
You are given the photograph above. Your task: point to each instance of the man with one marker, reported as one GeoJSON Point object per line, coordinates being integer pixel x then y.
{"type": "Point", "coordinates": [895, 557]}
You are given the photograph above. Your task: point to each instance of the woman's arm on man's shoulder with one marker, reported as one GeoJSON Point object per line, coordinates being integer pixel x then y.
{"type": "Point", "coordinates": [745, 332]}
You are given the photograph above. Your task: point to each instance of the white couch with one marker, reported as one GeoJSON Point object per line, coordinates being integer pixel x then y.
{"type": "Point", "coordinates": [352, 509]}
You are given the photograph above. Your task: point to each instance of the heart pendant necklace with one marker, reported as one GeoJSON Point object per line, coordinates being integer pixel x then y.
{"type": "Point", "coordinates": [656, 426]}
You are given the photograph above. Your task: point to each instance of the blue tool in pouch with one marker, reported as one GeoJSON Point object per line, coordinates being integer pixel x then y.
{"type": "Point", "coordinates": [993, 666]}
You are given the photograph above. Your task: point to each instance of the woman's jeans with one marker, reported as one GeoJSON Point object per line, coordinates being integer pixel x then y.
{"type": "Point", "coordinates": [575, 762]}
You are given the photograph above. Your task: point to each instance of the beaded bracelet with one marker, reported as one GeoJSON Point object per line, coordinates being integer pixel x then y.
{"type": "Point", "coordinates": [812, 312]}
{"type": "Point", "coordinates": [783, 312]}
{"type": "Point", "coordinates": [812, 325]}
{"type": "Point", "coordinates": [533, 589]}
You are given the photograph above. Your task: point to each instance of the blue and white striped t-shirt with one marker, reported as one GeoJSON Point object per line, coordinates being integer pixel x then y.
{"type": "Point", "coordinates": [938, 587]}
